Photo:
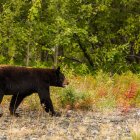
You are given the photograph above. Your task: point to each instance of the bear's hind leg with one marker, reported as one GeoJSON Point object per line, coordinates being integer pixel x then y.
{"type": "Point", "coordinates": [15, 102]}
{"type": "Point", "coordinates": [1, 97]}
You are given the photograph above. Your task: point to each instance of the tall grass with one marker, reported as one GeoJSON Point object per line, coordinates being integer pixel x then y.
{"type": "Point", "coordinates": [102, 91]}
{"type": "Point", "coordinates": [94, 92]}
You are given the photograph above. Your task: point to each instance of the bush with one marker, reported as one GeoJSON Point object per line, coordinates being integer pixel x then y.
{"type": "Point", "coordinates": [73, 99]}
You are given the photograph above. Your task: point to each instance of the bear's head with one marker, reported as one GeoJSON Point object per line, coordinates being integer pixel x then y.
{"type": "Point", "coordinates": [61, 81]}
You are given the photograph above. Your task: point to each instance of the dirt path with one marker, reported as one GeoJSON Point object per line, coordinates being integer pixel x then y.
{"type": "Point", "coordinates": [72, 125]}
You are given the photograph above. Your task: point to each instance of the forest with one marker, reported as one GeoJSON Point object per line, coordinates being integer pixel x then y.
{"type": "Point", "coordinates": [97, 45]}
{"type": "Point", "coordinates": [84, 35]}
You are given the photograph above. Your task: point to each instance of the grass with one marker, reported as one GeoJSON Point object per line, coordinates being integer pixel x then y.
{"type": "Point", "coordinates": [135, 135]}
{"type": "Point", "coordinates": [100, 91]}
{"type": "Point", "coordinates": [135, 132]}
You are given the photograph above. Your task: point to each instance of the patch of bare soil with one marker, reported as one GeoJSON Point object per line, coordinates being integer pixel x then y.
{"type": "Point", "coordinates": [72, 125]}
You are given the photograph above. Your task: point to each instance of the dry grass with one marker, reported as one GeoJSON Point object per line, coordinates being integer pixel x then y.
{"type": "Point", "coordinates": [101, 92]}
{"type": "Point", "coordinates": [85, 125]}
{"type": "Point", "coordinates": [135, 131]}
{"type": "Point", "coordinates": [93, 92]}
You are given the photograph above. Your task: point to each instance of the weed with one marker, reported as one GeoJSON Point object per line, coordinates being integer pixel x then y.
{"type": "Point", "coordinates": [99, 91]}
{"type": "Point", "coordinates": [73, 99]}
{"type": "Point", "coordinates": [68, 97]}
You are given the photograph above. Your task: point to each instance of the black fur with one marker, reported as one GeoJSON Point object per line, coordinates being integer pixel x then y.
{"type": "Point", "coordinates": [22, 82]}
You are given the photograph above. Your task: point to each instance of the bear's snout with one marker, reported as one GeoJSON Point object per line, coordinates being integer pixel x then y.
{"type": "Point", "coordinates": [65, 83]}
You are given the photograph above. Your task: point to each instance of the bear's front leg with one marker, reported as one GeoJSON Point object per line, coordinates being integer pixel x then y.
{"type": "Point", "coordinates": [46, 101]}
{"type": "Point", "coordinates": [48, 106]}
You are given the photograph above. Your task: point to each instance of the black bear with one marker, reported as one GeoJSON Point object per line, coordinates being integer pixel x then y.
{"type": "Point", "coordinates": [22, 82]}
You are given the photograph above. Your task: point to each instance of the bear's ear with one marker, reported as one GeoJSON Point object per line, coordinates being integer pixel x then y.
{"type": "Point", "coordinates": [58, 69]}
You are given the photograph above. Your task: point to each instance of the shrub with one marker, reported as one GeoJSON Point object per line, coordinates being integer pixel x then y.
{"type": "Point", "coordinates": [73, 99]}
{"type": "Point", "coordinates": [68, 97]}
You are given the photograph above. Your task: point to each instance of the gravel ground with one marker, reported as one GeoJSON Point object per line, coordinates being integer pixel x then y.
{"type": "Point", "coordinates": [72, 125]}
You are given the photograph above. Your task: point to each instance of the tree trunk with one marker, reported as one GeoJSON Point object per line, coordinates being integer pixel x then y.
{"type": "Point", "coordinates": [1, 8]}
{"type": "Point", "coordinates": [87, 56]}
{"type": "Point", "coordinates": [42, 58]}
{"type": "Point", "coordinates": [56, 56]}
{"type": "Point", "coordinates": [28, 54]}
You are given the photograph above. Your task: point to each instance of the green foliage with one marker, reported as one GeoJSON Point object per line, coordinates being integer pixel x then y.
{"type": "Point", "coordinates": [68, 97]}
{"type": "Point", "coordinates": [74, 99]}
{"type": "Point", "coordinates": [89, 35]}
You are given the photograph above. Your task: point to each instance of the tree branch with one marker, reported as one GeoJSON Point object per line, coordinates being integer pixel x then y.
{"type": "Point", "coordinates": [73, 59]}
{"type": "Point", "coordinates": [136, 56]}
{"type": "Point", "coordinates": [87, 56]}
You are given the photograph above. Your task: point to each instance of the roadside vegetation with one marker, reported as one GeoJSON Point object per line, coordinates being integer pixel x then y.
{"type": "Point", "coordinates": [94, 92]}
{"type": "Point", "coordinates": [99, 93]}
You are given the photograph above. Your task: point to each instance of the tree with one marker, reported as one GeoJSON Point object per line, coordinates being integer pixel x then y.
{"type": "Point", "coordinates": [96, 34]}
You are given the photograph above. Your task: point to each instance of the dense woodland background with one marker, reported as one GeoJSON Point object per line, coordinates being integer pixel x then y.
{"type": "Point", "coordinates": [84, 35]}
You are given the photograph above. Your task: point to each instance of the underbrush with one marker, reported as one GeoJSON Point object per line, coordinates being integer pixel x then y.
{"type": "Point", "coordinates": [102, 91]}
{"type": "Point", "coordinates": [89, 92]}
